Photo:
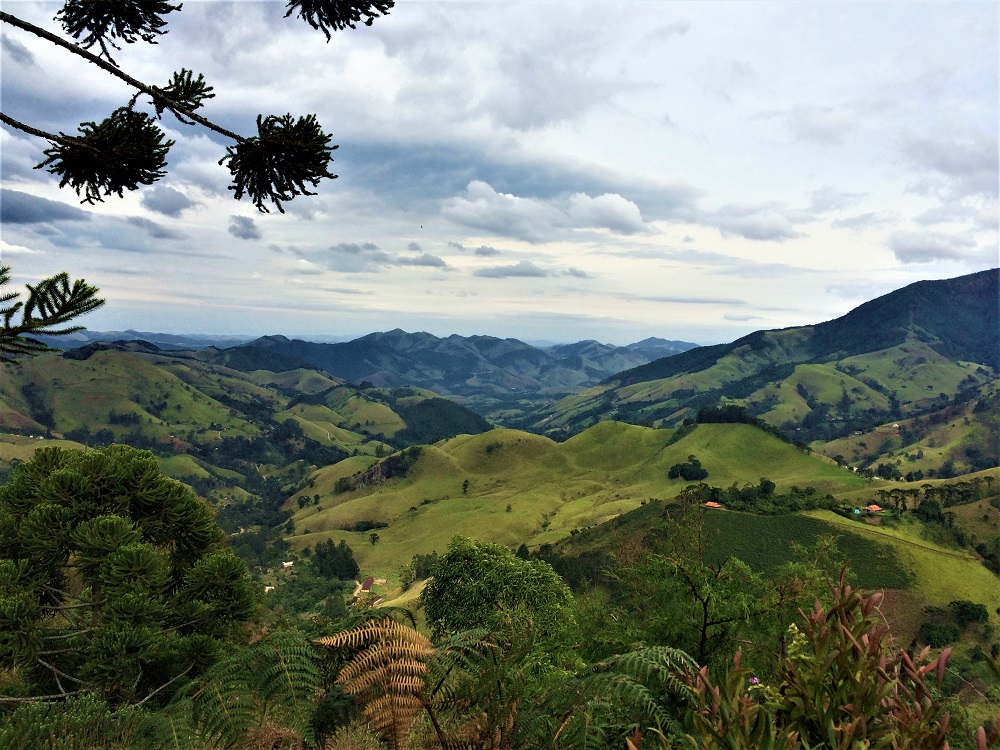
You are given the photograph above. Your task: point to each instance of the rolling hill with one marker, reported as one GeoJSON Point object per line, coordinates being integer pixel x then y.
{"type": "Point", "coordinates": [525, 488]}
{"type": "Point", "coordinates": [215, 427]}
{"type": "Point", "coordinates": [910, 353]}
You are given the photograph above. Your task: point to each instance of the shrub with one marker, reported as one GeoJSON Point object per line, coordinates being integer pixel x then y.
{"type": "Point", "coordinates": [939, 635]}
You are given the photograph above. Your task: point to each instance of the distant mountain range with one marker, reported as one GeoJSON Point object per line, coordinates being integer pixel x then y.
{"type": "Point", "coordinates": [909, 352]}
{"type": "Point", "coordinates": [451, 366]}
{"type": "Point", "coordinates": [455, 366]}
{"type": "Point", "coordinates": [169, 341]}
{"type": "Point", "coordinates": [498, 378]}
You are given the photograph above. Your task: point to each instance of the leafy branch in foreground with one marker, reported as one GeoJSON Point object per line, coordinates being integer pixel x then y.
{"type": "Point", "coordinates": [274, 682]}
{"type": "Point", "coordinates": [51, 303]}
{"type": "Point", "coordinates": [842, 686]}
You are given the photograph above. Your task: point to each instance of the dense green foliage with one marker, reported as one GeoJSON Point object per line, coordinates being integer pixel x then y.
{"type": "Point", "coordinates": [112, 577]}
{"type": "Point", "coordinates": [483, 585]}
{"type": "Point", "coordinates": [334, 560]}
{"type": "Point", "coordinates": [84, 722]}
{"type": "Point", "coordinates": [690, 470]}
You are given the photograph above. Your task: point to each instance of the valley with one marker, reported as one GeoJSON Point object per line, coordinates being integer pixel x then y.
{"type": "Point", "coordinates": [780, 444]}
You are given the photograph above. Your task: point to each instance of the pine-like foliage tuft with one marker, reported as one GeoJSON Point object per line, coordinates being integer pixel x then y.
{"type": "Point", "coordinates": [185, 91]}
{"type": "Point", "coordinates": [125, 150]}
{"type": "Point", "coordinates": [337, 15]}
{"type": "Point", "coordinates": [102, 22]}
{"type": "Point", "coordinates": [276, 164]}
{"type": "Point", "coordinates": [51, 303]}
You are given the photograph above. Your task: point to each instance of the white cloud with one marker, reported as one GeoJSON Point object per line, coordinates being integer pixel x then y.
{"type": "Point", "coordinates": [536, 220]}
{"type": "Point", "coordinates": [925, 247]}
{"type": "Point", "coordinates": [523, 269]}
{"type": "Point", "coordinates": [828, 125]}
{"type": "Point", "coordinates": [754, 222]}
{"type": "Point", "coordinates": [7, 249]}
{"type": "Point", "coordinates": [968, 165]}
{"type": "Point", "coordinates": [607, 211]}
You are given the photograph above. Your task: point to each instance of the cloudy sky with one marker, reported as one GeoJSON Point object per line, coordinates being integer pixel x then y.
{"type": "Point", "coordinates": [546, 169]}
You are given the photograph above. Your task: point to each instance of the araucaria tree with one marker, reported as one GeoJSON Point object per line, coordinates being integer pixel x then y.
{"type": "Point", "coordinates": [113, 578]}
{"type": "Point", "coordinates": [128, 149]}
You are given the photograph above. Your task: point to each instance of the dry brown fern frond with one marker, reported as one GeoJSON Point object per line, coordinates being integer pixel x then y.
{"type": "Point", "coordinates": [386, 675]}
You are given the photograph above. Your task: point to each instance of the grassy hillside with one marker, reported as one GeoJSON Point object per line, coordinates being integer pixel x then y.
{"type": "Point", "coordinates": [232, 435]}
{"type": "Point", "coordinates": [901, 557]}
{"type": "Point", "coordinates": [527, 488]}
{"type": "Point", "coordinates": [899, 357]}
{"type": "Point", "coordinates": [957, 438]}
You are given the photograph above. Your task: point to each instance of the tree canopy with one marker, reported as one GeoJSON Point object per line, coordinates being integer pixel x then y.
{"type": "Point", "coordinates": [480, 585]}
{"type": "Point", "coordinates": [113, 577]}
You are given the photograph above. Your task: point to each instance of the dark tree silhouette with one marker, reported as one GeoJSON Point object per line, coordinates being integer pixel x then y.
{"type": "Point", "coordinates": [126, 150]}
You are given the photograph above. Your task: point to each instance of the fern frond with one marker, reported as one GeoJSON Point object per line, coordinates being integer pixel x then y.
{"type": "Point", "coordinates": [380, 629]}
{"type": "Point", "coordinates": [279, 675]}
{"type": "Point", "coordinates": [387, 674]}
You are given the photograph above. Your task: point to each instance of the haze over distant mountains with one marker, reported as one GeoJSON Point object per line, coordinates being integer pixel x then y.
{"type": "Point", "coordinates": [455, 366]}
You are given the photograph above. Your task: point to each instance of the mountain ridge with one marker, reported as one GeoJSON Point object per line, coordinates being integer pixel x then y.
{"type": "Point", "coordinates": [973, 334]}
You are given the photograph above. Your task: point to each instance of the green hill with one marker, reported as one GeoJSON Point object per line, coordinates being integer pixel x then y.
{"type": "Point", "coordinates": [916, 570]}
{"type": "Point", "coordinates": [904, 355]}
{"type": "Point", "coordinates": [524, 488]}
{"type": "Point", "coordinates": [240, 433]}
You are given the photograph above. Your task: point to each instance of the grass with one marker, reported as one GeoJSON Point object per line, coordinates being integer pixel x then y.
{"type": "Point", "coordinates": [766, 542]}
{"type": "Point", "coordinates": [303, 381]}
{"type": "Point", "coordinates": [944, 574]}
{"type": "Point", "coordinates": [551, 488]}
{"type": "Point", "coordinates": [980, 520]}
